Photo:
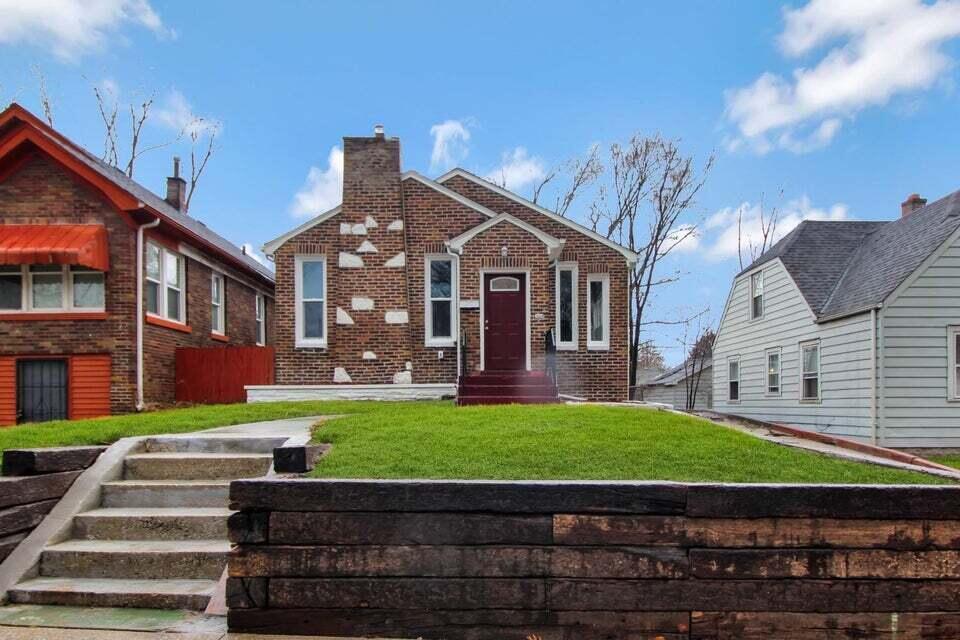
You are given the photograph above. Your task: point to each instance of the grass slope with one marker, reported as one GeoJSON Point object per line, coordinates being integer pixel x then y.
{"type": "Point", "coordinates": [436, 440]}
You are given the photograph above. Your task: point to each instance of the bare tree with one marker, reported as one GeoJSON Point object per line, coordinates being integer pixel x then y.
{"type": "Point", "coordinates": [46, 103]}
{"type": "Point", "coordinates": [583, 173]}
{"type": "Point", "coordinates": [198, 160]}
{"type": "Point", "coordinates": [699, 353]}
{"type": "Point", "coordinates": [756, 247]}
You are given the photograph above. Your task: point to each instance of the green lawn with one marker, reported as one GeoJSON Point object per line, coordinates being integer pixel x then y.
{"type": "Point", "coordinates": [949, 459]}
{"type": "Point", "coordinates": [437, 440]}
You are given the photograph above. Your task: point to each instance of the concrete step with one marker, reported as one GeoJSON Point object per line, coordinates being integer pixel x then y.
{"type": "Point", "coordinates": [135, 559]}
{"type": "Point", "coordinates": [176, 523]}
{"type": "Point", "coordinates": [476, 400]}
{"type": "Point", "coordinates": [211, 444]}
{"type": "Point", "coordinates": [89, 592]}
{"type": "Point", "coordinates": [196, 466]}
{"type": "Point", "coordinates": [165, 493]}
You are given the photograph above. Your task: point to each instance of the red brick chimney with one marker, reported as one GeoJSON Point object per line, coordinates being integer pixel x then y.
{"type": "Point", "coordinates": [911, 204]}
{"type": "Point", "coordinates": [176, 188]}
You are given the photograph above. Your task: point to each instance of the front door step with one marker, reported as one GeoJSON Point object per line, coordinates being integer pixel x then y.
{"type": "Point", "coordinates": [158, 523]}
{"type": "Point", "coordinates": [99, 592]}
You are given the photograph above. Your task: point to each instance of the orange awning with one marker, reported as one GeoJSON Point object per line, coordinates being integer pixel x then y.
{"type": "Point", "coordinates": [79, 244]}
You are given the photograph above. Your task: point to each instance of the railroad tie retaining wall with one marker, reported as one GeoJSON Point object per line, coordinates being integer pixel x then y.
{"type": "Point", "coordinates": [571, 560]}
{"type": "Point", "coordinates": [33, 482]}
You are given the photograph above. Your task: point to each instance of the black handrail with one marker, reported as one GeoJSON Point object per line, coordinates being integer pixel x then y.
{"type": "Point", "coordinates": [550, 350]}
{"type": "Point", "coordinates": [463, 355]}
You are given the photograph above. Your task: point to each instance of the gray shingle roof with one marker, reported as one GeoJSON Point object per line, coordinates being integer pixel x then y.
{"type": "Point", "coordinates": [845, 267]}
{"type": "Point", "coordinates": [159, 204]}
{"type": "Point", "coordinates": [677, 374]}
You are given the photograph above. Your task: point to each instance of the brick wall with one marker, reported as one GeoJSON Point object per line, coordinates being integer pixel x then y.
{"type": "Point", "coordinates": [564, 560]}
{"type": "Point", "coordinates": [41, 192]}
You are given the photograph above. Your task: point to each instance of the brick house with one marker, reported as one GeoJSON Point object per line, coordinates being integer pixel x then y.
{"type": "Point", "coordinates": [385, 295]}
{"type": "Point", "coordinates": [78, 239]}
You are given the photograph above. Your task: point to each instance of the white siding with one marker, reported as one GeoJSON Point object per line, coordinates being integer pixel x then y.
{"type": "Point", "coordinates": [845, 385]}
{"type": "Point", "coordinates": [915, 410]}
{"type": "Point", "coordinates": [677, 394]}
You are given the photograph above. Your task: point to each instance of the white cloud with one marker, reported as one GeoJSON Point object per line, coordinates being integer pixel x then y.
{"type": "Point", "coordinates": [517, 170]}
{"type": "Point", "coordinates": [323, 189]}
{"type": "Point", "coordinates": [879, 49]}
{"type": "Point", "coordinates": [177, 114]}
{"type": "Point", "coordinates": [684, 239]}
{"type": "Point", "coordinates": [252, 252]}
{"type": "Point", "coordinates": [450, 140]}
{"type": "Point", "coordinates": [71, 28]}
{"type": "Point", "coordinates": [724, 230]}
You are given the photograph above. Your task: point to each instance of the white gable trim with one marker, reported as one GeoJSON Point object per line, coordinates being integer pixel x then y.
{"type": "Point", "coordinates": [413, 175]}
{"type": "Point", "coordinates": [271, 247]}
{"type": "Point", "coordinates": [629, 255]}
{"type": "Point", "coordinates": [554, 245]}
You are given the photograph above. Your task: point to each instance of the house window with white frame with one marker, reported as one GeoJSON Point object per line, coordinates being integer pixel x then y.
{"type": "Point", "coordinates": [598, 311]}
{"type": "Point", "coordinates": [217, 307]}
{"type": "Point", "coordinates": [810, 371]}
{"type": "Point", "coordinates": [51, 288]}
{"type": "Point", "coordinates": [567, 306]}
{"type": "Point", "coordinates": [756, 295]}
{"type": "Point", "coordinates": [311, 299]}
{"type": "Point", "coordinates": [261, 320]}
{"type": "Point", "coordinates": [165, 284]}
{"type": "Point", "coordinates": [953, 357]}
{"type": "Point", "coordinates": [440, 294]}
{"type": "Point", "coordinates": [733, 379]}
{"type": "Point", "coordinates": [773, 371]}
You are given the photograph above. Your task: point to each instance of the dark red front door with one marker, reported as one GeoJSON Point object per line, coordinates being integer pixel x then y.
{"type": "Point", "coordinates": [505, 321]}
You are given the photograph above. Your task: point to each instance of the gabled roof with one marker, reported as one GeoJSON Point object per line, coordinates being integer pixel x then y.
{"type": "Point", "coordinates": [554, 245]}
{"type": "Point", "coordinates": [271, 247]}
{"type": "Point", "coordinates": [593, 235]}
{"type": "Point", "coordinates": [677, 374]}
{"type": "Point", "coordinates": [843, 268]}
{"type": "Point", "coordinates": [140, 197]}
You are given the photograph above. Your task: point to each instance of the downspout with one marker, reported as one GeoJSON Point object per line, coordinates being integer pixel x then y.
{"type": "Point", "coordinates": [148, 225]}
{"type": "Point", "coordinates": [881, 386]}
{"type": "Point", "coordinates": [873, 376]}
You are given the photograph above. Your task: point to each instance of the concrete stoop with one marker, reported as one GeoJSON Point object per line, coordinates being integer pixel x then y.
{"type": "Point", "coordinates": [158, 538]}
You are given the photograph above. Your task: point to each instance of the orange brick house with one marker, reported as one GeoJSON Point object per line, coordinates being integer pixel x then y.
{"type": "Point", "coordinates": [413, 285]}
{"type": "Point", "coordinates": [78, 241]}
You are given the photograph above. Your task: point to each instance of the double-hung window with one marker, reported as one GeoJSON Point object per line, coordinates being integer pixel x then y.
{"type": "Point", "coordinates": [733, 379]}
{"type": "Point", "coordinates": [756, 295]}
{"type": "Point", "coordinates": [165, 284]}
{"type": "Point", "coordinates": [567, 306]}
{"type": "Point", "coordinates": [51, 288]}
{"type": "Point", "coordinates": [440, 296]}
{"type": "Point", "coordinates": [261, 320]}
{"type": "Point", "coordinates": [598, 311]}
{"type": "Point", "coordinates": [218, 314]}
{"type": "Point", "coordinates": [810, 371]}
{"type": "Point", "coordinates": [311, 299]}
{"type": "Point", "coordinates": [773, 371]}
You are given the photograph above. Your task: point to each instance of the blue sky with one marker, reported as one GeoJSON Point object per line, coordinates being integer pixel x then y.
{"type": "Point", "coordinates": [844, 107]}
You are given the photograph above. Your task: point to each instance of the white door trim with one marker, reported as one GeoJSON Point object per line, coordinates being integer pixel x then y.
{"type": "Point", "coordinates": [483, 294]}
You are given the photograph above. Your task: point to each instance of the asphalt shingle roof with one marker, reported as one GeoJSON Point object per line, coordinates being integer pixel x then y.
{"type": "Point", "coordinates": [845, 267]}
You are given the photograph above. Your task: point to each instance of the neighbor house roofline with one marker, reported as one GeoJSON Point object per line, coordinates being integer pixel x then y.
{"type": "Point", "coordinates": [631, 256]}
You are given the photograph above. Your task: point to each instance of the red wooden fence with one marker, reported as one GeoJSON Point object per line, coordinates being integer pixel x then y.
{"type": "Point", "coordinates": [219, 374]}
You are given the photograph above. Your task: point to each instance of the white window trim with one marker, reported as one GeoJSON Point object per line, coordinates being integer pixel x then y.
{"type": "Point", "coordinates": [763, 295]}
{"type": "Point", "coordinates": [298, 295]}
{"type": "Point", "coordinates": [803, 345]}
{"type": "Point", "coordinates": [220, 304]}
{"type": "Point", "coordinates": [428, 338]}
{"type": "Point", "coordinates": [953, 332]}
{"type": "Point", "coordinates": [739, 380]}
{"type": "Point", "coordinates": [260, 319]}
{"type": "Point", "coordinates": [604, 343]}
{"type": "Point", "coordinates": [163, 285]}
{"type": "Point", "coordinates": [66, 300]}
{"type": "Point", "coordinates": [766, 372]}
{"type": "Point", "coordinates": [574, 334]}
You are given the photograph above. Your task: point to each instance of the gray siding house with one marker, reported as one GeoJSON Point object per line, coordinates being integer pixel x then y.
{"type": "Point", "coordinates": [671, 387]}
{"type": "Point", "coordinates": [851, 329]}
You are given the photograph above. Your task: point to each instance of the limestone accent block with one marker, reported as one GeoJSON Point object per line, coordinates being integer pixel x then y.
{"type": "Point", "coordinates": [370, 222]}
{"type": "Point", "coordinates": [409, 366]}
{"type": "Point", "coordinates": [349, 261]}
{"type": "Point", "coordinates": [340, 375]}
{"type": "Point", "coordinates": [396, 317]}
{"type": "Point", "coordinates": [396, 225]}
{"type": "Point", "coordinates": [346, 228]}
{"type": "Point", "coordinates": [359, 230]}
{"type": "Point", "coordinates": [369, 355]}
{"type": "Point", "coordinates": [361, 304]}
{"type": "Point", "coordinates": [367, 247]}
{"type": "Point", "coordinates": [343, 317]}
{"type": "Point", "coordinates": [403, 377]}
{"type": "Point", "coordinates": [399, 260]}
